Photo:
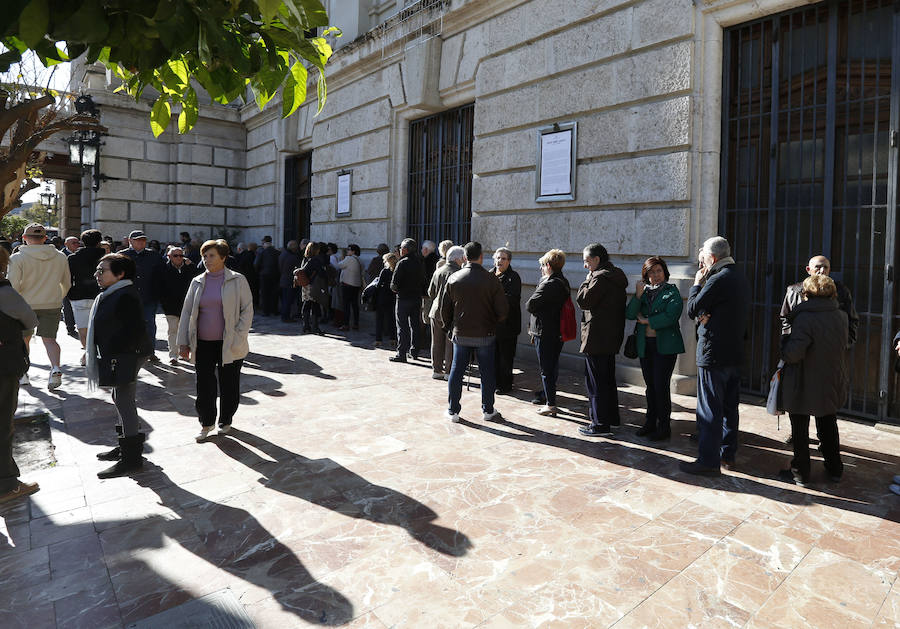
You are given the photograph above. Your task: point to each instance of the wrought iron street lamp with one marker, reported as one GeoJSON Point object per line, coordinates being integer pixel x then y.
{"type": "Point", "coordinates": [84, 145]}
{"type": "Point", "coordinates": [49, 198]}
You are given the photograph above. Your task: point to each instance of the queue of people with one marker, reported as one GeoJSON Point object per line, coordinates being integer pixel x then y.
{"type": "Point", "coordinates": [472, 312]}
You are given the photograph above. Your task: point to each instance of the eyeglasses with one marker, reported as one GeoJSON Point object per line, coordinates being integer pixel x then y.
{"type": "Point", "coordinates": [176, 255]}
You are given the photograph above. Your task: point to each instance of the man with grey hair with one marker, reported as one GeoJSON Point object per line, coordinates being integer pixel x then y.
{"type": "Point", "coordinates": [441, 347]}
{"type": "Point", "coordinates": [719, 301]}
{"type": "Point", "coordinates": [407, 282]}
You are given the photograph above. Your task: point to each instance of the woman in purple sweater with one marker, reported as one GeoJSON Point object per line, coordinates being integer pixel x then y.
{"type": "Point", "coordinates": [215, 324]}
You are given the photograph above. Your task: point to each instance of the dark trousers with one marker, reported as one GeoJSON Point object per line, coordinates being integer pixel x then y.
{"type": "Point", "coordinates": [9, 399]}
{"type": "Point", "coordinates": [126, 407]}
{"type": "Point", "coordinates": [216, 380]}
{"type": "Point", "coordinates": [150, 309]}
{"type": "Point", "coordinates": [311, 312]}
{"type": "Point", "coordinates": [717, 414]}
{"type": "Point", "coordinates": [829, 444]}
{"type": "Point", "coordinates": [548, 349]}
{"type": "Point", "coordinates": [69, 316]}
{"type": "Point", "coordinates": [485, 357]}
{"type": "Point", "coordinates": [384, 322]}
{"type": "Point", "coordinates": [288, 299]}
{"type": "Point", "coordinates": [408, 311]}
{"type": "Point", "coordinates": [351, 303]}
{"type": "Point", "coordinates": [505, 355]}
{"type": "Point", "coordinates": [603, 396]}
{"type": "Point", "coordinates": [657, 369]}
{"type": "Point", "coordinates": [268, 294]}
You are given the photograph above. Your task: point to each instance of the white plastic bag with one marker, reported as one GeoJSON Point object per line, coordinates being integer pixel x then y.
{"type": "Point", "coordinates": [774, 388]}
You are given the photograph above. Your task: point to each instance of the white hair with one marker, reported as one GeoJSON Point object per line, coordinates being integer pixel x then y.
{"type": "Point", "coordinates": [456, 253]}
{"type": "Point", "coordinates": [718, 247]}
{"type": "Point", "coordinates": [429, 244]}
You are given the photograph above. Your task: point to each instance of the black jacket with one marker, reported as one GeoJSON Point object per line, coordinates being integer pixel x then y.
{"type": "Point", "coordinates": [384, 296]}
{"type": "Point", "coordinates": [472, 303]}
{"type": "Point", "coordinates": [175, 285]}
{"type": "Point", "coordinates": [601, 298]}
{"type": "Point", "coordinates": [245, 266]}
{"type": "Point", "coordinates": [408, 278]}
{"type": "Point", "coordinates": [512, 287]}
{"type": "Point", "coordinates": [287, 262]}
{"type": "Point", "coordinates": [82, 265]}
{"type": "Point", "coordinates": [119, 325]}
{"type": "Point", "coordinates": [149, 273]}
{"type": "Point", "coordinates": [267, 261]}
{"type": "Point", "coordinates": [429, 265]}
{"type": "Point", "coordinates": [545, 306]}
{"type": "Point", "coordinates": [726, 298]}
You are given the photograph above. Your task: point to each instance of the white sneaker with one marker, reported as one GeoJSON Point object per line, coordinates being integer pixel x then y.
{"type": "Point", "coordinates": [204, 434]}
{"type": "Point", "coordinates": [24, 381]}
{"type": "Point", "coordinates": [492, 417]}
{"type": "Point", "coordinates": [224, 429]}
{"type": "Point", "coordinates": [55, 380]}
{"type": "Point", "coordinates": [548, 411]}
{"type": "Point", "coordinates": [453, 417]}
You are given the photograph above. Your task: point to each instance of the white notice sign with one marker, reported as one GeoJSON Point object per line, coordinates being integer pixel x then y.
{"type": "Point", "coordinates": [556, 163]}
{"type": "Point", "coordinates": [343, 194]}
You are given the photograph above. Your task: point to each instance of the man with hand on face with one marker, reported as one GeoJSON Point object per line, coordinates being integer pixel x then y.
{"type": "Point", "coordinates": [719, 301]}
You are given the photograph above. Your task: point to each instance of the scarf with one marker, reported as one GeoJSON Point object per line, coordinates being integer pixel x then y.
{"type": "Point", "coordinates": [652, 292]}
{"type": "Point", "coordinates": [715, 267]}
{"type": "Point", "coordinates": [92, 368]}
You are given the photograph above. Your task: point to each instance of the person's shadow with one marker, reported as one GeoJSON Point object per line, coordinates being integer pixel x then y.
{"type": "Point", "coordinates": [235, 541]}
{"type": "Point", "coordinates": [326, 483]}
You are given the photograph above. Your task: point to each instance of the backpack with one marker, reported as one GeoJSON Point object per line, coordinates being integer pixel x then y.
{"type": "Point", "coordinates": [568, 327]}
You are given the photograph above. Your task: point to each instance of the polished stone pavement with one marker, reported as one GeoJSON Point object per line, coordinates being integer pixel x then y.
{"type": "Point", "coordinates": [343, 497]}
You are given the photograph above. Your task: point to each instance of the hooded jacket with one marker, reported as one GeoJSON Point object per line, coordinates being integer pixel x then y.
{"type": "Point", "coordinates": [601, 298]}
{"type": "Point", "coordinates": [40, 274]}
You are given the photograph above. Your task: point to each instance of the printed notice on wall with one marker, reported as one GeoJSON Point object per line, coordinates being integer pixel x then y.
{"type": "Point", "coordinates": [556, 163]}
{"type": "Point", "coordinates": [343, 194]}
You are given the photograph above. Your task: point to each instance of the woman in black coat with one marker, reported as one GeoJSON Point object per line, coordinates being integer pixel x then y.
{"type": "Point", "coordinates": [509, 329]}
{"type": "Point", "coordinates": [117, 345]}
{"type": "Point", "coordinates": [385, 300]}
{"type": "Point", "coordinates": [545, 306]}
{"type": "Point", "coordinates": [815, 379]}
{"type": "Point", "coordinates": [314, 295]}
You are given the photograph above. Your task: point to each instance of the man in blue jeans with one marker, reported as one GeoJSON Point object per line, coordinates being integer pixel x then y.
{"type": "Point", "coordinates": [471, 305]}
{"type": "Point", "coordinates": [720, 302]}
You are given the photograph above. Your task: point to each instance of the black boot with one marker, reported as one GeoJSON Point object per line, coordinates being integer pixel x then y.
{"type": "Point", "coordinates": [648, 428]}
{"type": "Point", "coordinates": [111, 455]}
{"type": "Point", "coordinates": [131, 461]}
{"type": "Point", "coordinates": [663, 432]}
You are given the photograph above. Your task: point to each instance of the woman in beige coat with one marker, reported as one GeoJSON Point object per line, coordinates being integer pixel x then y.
{"type": "Point", "coordinates": [215, 324]}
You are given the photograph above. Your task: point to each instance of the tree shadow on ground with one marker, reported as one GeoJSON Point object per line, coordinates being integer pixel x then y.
{"type": "Point", "coordinates": [328, 484]}
{"type": "Point", "coordinates": [850, 496]}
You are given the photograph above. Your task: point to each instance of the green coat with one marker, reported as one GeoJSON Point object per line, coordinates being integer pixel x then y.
{"type": "Point", "coordinates": [663, 316]}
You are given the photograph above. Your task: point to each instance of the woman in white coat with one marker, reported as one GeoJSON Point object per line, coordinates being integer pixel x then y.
{"type": "Point", "coordinates": [215, 324]}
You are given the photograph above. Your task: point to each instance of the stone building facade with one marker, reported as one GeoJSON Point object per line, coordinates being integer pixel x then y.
{"type": "Point", "coordinates": [643, 79]}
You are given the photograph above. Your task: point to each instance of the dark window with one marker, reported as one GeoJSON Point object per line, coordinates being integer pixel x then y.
{"type": "Point", "coordinates": [807, 169]}
{"type": "Point", "coordinates": [440, 176]}
{"type": "Point", "coordinates": [297, 196]}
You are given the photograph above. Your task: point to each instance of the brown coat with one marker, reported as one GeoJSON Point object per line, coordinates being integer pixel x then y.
{"type": "Point", "coordinates": [601, 298]}
{"type": "Point", "coordinates": [473, 302]}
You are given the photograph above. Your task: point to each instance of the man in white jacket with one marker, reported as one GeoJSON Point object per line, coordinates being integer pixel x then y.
{"type": "Point", "coordinates": [40, 274]}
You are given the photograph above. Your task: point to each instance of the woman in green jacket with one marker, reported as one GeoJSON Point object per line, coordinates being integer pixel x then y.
{"type": "Point", "coordinates": [657, 307]}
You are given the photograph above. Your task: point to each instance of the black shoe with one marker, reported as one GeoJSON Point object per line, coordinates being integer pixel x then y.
{"type": "Point", "coordinates": [792, 476]}
{"type": "Point", "coordinates": [835, 478]}
{"type": "Point", "coordinates": [399, 358]}
{"type": "Point", "coordinates": [503, 391]}
{"type": "Point", "coordinates": [662, 433]}
{"type": "Point", "coordinates": [647, 429]}
{"type": "Point", "coordinates": [696, 469]}
{"type": "Point", "coordinates": [603, 430]}
{"type": "Point", "coordinates": [307, 330]}
{"type": "Point", "coordinates": [728, 464]}
{"type": "Point", "coordinates": [153, 358]}
{"type": "Point", "coordinates": [110, 455]}
{"type": "Point", "coordinates": [131, 460]}
{"type": "Point", "coordinates": [319, 331]}
{"type": "Point", "coordinates": [789, 440]}
{"type": "Point", "coordinates": [414, 355]}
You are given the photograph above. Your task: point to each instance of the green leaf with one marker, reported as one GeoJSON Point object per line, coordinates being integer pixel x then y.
{"type": "Point", "coordinates": [294, 93]}
{"type": "Point", "coordinates": [269, 9]}
{"type": "Point", "coordinates": [179, 68]}
{"type": "Point", "coordinates": [189, 112]}
{"type": "Point", "coordinates": [160, 115]}
{"type": "Point", "coordinates": [33, 22]}
{"type": "Point", "coordinates": [321, 92]}
{"type": "Point", "coordinates": [87, 25]}
{"type": "Point", "coordinates": [202, 45]}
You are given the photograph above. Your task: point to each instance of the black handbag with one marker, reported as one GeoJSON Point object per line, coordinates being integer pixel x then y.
{"type": "Point", "coordinates": [119, 370]}
{"type": "Point", "coordinates": [631, 350]}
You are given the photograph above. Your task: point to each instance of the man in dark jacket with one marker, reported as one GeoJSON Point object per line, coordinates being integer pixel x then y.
{"type": "Point", "coordinates": [507, 331]}
{"type": "Point", "coordinates": [471, 305]}
{"type": "Point", "coordinates": [148, 281]}
{"type": "Point", "coordinates": [267, 266]}
{"type": "Point", "coordinates": [82, 266]}
{"type": "Point", "coordinates": [719, 301]}
{"type": "Point", "coordinates": [289, 260]}
{"type": "Point", "coordinates": [245, 260]}
{"type": "Point", "coordinates": [601, 298]}
{"type": "Point", "coordinates": [177, 275]}
{"type": "Point", "coordinates": [407, 283]}
{"type": "Point", "coordinates": [15, 318]}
